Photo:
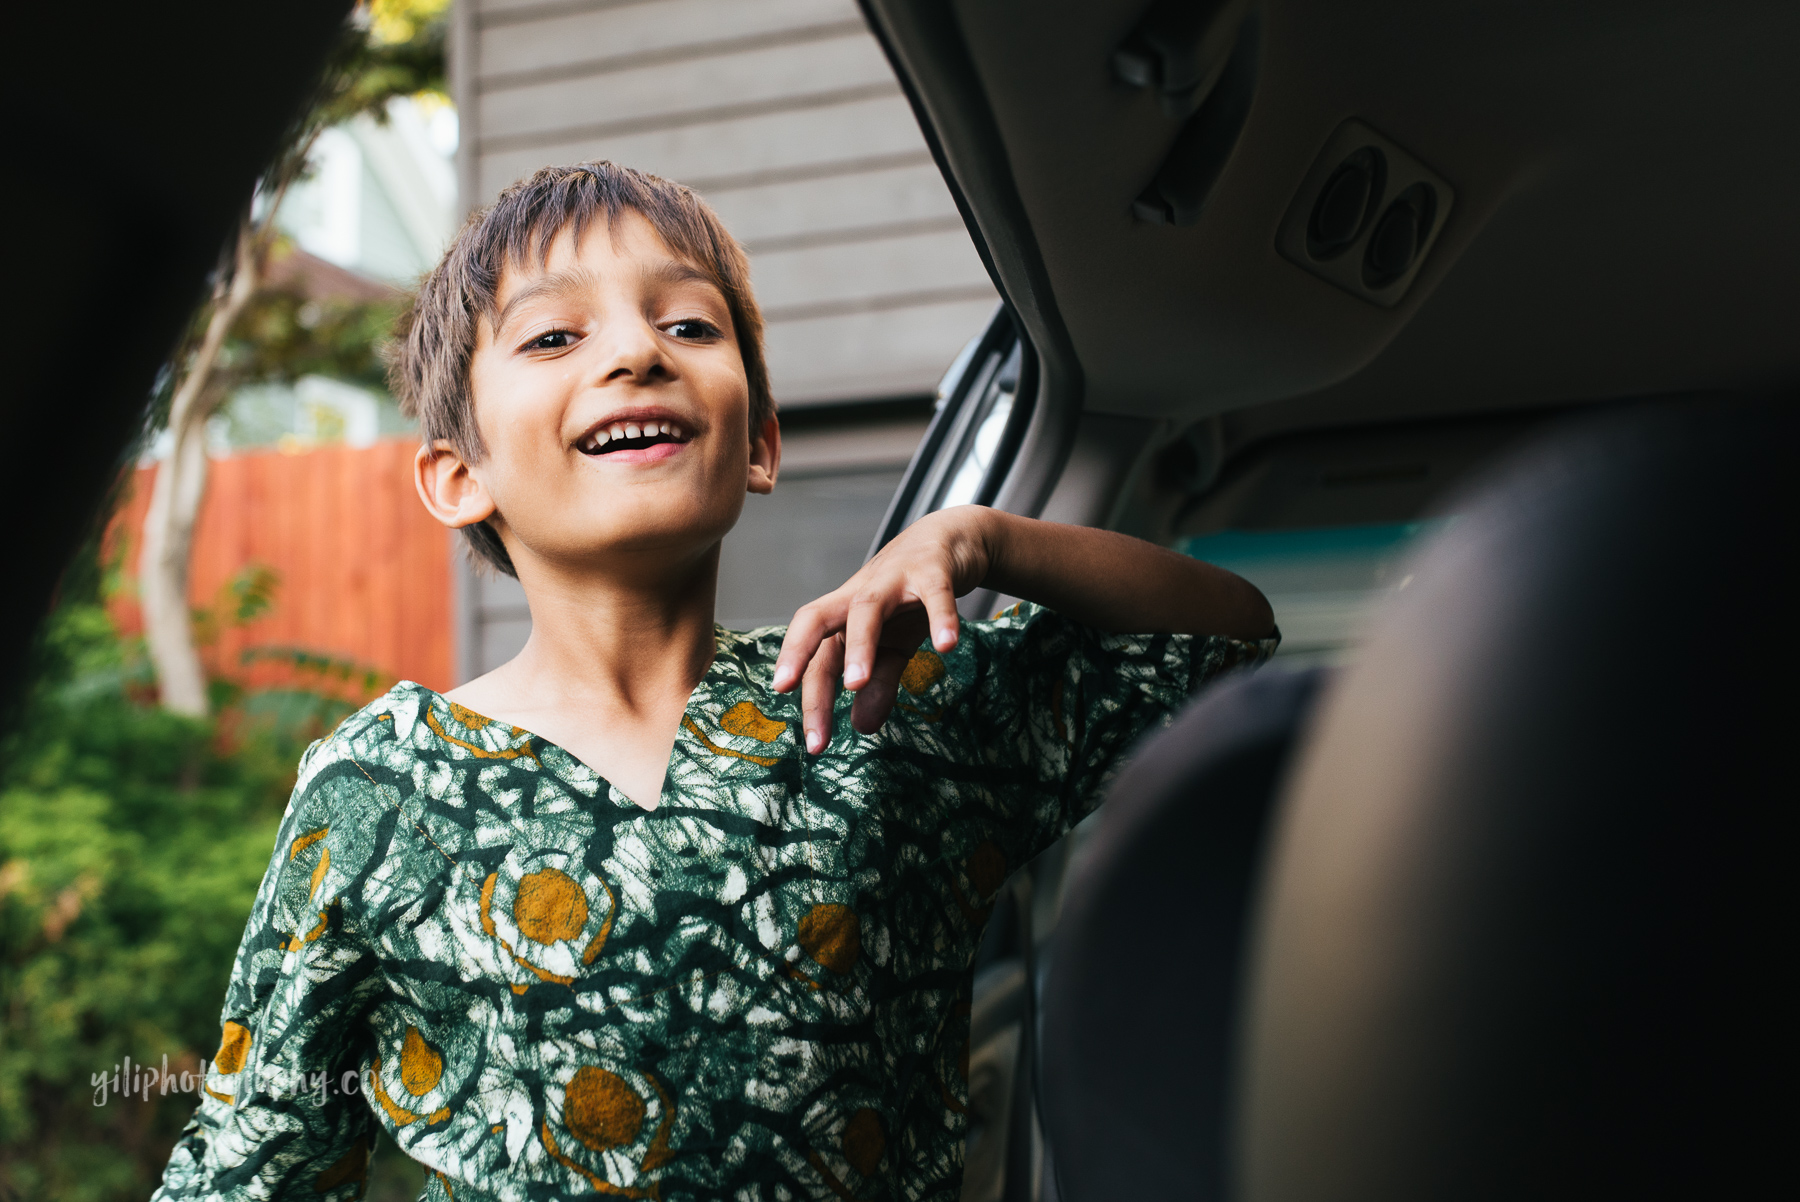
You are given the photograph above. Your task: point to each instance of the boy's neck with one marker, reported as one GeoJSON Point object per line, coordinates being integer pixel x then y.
{"type": "Point", "coordinates": [626, 638]}
{"type": "Point", "coordinates": [612, 660]}
{"type": "Point", "coordinates": [615, 647]}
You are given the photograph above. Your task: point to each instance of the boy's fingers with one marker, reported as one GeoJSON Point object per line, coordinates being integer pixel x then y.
{"type": "Point", "coordinates": [876, 700]}
{"type": "Point", "coordinates": [940, 608]}
{"type": "Point", "coordinates": [818, 696]}
{"type": "Point", "coordinates": [862, 638]}
{"type": "Point", "coordinates": [813, 624]}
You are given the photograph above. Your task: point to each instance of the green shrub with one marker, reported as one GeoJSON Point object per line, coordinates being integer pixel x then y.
{"type": "Point", "coordinates": [132, 842]}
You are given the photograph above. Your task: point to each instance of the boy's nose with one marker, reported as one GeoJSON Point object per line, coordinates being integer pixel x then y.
{"type": "Point", "coordinates": [633, 352]}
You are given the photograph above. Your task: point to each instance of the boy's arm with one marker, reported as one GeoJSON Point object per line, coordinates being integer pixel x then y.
{"type": "Point", "coordinates": [1122, 584]}
{"type": "Point", "coordinates": [869, 627]}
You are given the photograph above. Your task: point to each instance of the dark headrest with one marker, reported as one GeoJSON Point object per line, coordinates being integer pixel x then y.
{"type": "Point", "coordinates": [1140, 1003]}
{"type": "Point", "coordinates": [1528, 920]}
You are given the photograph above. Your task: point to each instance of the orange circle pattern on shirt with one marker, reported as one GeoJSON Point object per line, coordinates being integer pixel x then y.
{"type": "Point", "coordinates": [233, 1048]}
{"type": "Point", "coordinates": [864, 1142]}
{"type": "Point", "coordinates": [600, 1110]}
{"type": "Point", "coordinates": [745, 720]}
{"type": "Point", "coordinates": [987, 869]}
{"type": "Point", "coordinates": [922, 671]}
{"type": "Point", "coordinates": [550, 906]}
{"type": "Point", "coordinates": [420, 1067]}
{"type": "Point", "coordinates": [832, 936]}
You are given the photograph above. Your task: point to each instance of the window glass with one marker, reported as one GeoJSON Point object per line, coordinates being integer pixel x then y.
{"type": "Point", "coordinates": [1323, 582]}
{"type": "Point", "coordinates": [979, 455]}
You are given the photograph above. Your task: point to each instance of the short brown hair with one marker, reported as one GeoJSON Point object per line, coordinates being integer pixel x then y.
{"type": "Point", "coordinates": [435, 338]}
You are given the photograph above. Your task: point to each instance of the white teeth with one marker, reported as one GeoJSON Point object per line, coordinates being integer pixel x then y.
{"type": "Point", "coordinates": [633, 430]}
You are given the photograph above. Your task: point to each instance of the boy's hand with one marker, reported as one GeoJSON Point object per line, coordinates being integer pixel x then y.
{"type": "Point", "coordinates": [870, 627]}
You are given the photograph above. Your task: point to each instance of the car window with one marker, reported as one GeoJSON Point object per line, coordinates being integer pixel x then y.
{"type": "Point", "coordinates": [1324, 582]}
{"type": "Point", "coordinates": [976, 432]}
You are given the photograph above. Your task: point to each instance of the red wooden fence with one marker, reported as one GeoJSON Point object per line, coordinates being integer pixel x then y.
{"type": "Point", "coordinates": [364, 571]}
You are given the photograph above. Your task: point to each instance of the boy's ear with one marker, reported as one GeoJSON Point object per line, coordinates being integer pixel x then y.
{"type": "Point", "coordinates": [450, 490]}
{"type": "Point", "coordinates": [765, 458]}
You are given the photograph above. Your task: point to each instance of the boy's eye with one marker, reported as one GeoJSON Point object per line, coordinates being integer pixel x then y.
{"type": "Point", "coordinates": [555, 340]}
{"type": "Point", "coordinates": [693, 330]}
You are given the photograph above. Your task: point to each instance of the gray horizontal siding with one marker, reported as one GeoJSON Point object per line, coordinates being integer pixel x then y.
{"type": "Point", "coordinates": [692, 90]}
{"type": "Point", "coordinates": [852, 274]}
{"type": "Point", "coordinates": [782, 214]}
{"type": "Point", "coordinates": [798, 543]}
{"type": "Point", "coordinates": [647, 32]}
{"type": "Point", "coordinates": [872, 353]}
{"type": "Point", "coordinates": [801, 141]}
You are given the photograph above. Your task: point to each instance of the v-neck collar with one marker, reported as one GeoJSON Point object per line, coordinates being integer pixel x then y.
{"type": "Point", "coordinates": [724, 648]}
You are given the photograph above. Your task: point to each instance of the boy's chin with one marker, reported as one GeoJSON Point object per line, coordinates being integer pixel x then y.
{"type": "Point", "coordinates": [611, 543]}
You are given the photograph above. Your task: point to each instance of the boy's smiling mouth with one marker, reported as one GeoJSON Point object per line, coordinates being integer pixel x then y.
{"type": "Point", "coordinates": [635, 439]}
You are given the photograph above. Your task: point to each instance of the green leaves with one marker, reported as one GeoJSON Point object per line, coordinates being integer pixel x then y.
{"type": "Point", "coordinates": [369, 74]}
{"type": "Point", "coordinates": [131, 845]}
{"type": "Point", "coordinates": [245, 597]}
{"type": "Point", "coordinates": [283, 336]}
{"type": "Point", "coordinates": [323, 669]}
{"type": "Point", "coordinates": [132, 841]}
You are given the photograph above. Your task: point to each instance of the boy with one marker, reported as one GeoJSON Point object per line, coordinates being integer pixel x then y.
{"type": "Point", "coordinates": [650, 911]}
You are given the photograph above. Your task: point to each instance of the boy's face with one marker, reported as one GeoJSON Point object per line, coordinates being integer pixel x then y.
{"type": "Point", "coordinates": [613, 402]}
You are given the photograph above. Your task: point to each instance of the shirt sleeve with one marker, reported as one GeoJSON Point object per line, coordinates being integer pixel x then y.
{"type": "Point", "coordinates": [1056, 705]}
{"type": "Point", "coordinates": [282, 1114]}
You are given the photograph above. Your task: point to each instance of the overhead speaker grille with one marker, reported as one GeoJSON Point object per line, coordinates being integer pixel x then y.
{"type": "Point", "coordinates": [1366, 216]}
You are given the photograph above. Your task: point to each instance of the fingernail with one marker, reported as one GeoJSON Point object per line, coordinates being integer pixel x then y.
{"type": "Point", "coordinates": [813, 742]}
{"type": "Point", "coordinates": [946, 638]}
{"type": "Point", "coordinates": [855, 674]}
{"type": "Point", "coordinates": [784, 676]}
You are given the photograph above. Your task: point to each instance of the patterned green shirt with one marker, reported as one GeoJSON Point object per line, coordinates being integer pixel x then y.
{"type": "Point", "coordinates": [758, 990]}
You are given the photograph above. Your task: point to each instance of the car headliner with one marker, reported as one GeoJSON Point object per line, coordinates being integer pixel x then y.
{"type": "Point", "coordinates": [1624, 175]}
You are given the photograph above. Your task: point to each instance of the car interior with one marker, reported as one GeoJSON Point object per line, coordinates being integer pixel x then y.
{"type": "Point", "coordinates": [1468, 332]}
{"type": "Point", "coordinates": [1306, 285]}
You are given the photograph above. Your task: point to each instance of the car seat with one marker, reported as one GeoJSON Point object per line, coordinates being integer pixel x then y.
{"type": "Point", "coordinates": [1519, 923]}
{"type": "Point", "coordinates": [1143, 976]}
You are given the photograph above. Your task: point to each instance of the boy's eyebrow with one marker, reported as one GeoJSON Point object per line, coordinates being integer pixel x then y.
{"type": "Point", "coordinates": [557, 283]}
{"type": "Point", "coordinates": [675, 271]}
{"type": "Point", "coordinates": [580, 279]}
